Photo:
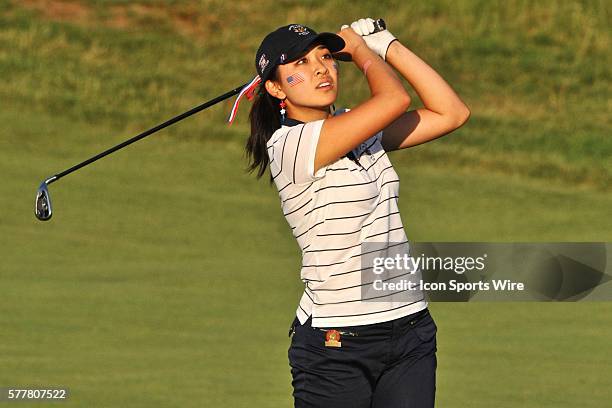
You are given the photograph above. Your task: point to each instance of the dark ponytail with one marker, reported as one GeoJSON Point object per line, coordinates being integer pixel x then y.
{"type": "Point", "coordinates": [265, 120]}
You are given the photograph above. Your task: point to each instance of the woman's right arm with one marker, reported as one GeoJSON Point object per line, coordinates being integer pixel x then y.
{"type": "Point", "coordinates": [341, 134]}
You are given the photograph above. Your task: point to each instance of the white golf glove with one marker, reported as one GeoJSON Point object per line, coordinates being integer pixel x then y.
{"type": "Point", "coordinates": [378, 42]}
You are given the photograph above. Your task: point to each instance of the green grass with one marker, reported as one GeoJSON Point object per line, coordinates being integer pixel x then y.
{"type": "Point", "coordinates": [536, 75]}
{"type": "Point", "coordinates": [141, 291]}
{"type": "Point", "coordinates": [136, 292]}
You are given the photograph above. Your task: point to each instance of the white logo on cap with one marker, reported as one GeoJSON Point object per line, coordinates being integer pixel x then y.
{"type": "Point", "coordinates": [283, 57]}
{"type": "Point", "coordinates": [263, 62]}
{"type": "Point", "coordinates": [299, 29]}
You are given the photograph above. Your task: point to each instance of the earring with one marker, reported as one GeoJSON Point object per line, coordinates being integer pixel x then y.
{"type": "Point", "coordinates": [283, 105]}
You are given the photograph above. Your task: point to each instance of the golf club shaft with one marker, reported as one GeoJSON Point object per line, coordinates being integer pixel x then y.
{"type": "Point", "coordinates": [147, 133]}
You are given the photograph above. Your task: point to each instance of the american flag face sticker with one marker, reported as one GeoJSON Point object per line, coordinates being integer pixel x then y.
{"type": "Point", "coordinates": [295, 79]}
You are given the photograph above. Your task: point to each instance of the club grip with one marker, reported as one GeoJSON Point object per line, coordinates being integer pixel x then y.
{"type": "Point", "coordinates": [379, 25]}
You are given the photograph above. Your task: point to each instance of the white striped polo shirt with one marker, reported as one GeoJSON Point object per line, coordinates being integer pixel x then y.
{"type": "Point", "coordinates": [331, 214]}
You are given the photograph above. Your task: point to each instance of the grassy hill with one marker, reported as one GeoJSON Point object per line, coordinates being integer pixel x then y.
{"type": "Point", "coordinates": [536, 75]}
{"type": "Point", "coordinates": [142, 289]}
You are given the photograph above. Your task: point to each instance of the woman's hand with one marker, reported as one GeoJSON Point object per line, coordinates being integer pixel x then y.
{"type": "Point", "coordinates": [352, 42]}
{"type": "Point", "coordinates": [378, 42]}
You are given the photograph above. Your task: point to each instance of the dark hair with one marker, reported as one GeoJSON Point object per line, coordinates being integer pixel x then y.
{"type": "Point", "coordinates": [265, 120]}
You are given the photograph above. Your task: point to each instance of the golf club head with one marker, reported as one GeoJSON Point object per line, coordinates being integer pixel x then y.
{"type": "Point", "coordinates": [43, 210]}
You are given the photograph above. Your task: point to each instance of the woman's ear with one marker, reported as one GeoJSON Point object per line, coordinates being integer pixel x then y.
{"type": "Point", "coordinates": [275, 90]}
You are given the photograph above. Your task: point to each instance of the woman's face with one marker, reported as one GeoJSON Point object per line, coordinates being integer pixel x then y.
{"type": "Point", "coordinates": [309, 83]}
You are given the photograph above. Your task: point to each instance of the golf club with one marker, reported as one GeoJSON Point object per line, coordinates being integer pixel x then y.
{"type": "Point", "coordinates": [43, 209]}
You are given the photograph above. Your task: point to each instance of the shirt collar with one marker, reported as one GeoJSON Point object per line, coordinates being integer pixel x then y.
{"type": "Point", "coordinates": [292, 122]}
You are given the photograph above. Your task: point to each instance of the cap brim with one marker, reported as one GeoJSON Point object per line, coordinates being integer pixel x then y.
{"type": "Point", "coordinates": [331, 41]}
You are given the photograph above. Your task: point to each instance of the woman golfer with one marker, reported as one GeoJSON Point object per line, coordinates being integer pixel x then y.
{"type": "Point", "coordinates": [354, 343]}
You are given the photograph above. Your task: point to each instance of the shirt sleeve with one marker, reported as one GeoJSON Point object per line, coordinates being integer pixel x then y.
{"type": "Point", "coordinates": [371, 145]}
{"type": "Point", "coordinates": [295, 153]}
{"type": "Point", "coordinates": [376, 140]}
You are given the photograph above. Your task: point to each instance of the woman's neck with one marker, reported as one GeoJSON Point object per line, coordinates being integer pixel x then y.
{"type": "Point", "coordinates": [309, 114]}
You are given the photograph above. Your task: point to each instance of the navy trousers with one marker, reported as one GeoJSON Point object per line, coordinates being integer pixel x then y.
{"type": "Point", "coordinates": [390, 364]}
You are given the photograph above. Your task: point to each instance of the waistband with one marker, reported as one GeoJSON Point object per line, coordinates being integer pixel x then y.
{"type": "Point", "coordinates": [408, 320]}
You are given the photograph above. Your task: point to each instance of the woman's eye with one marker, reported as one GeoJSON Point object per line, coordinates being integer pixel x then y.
{"type": "Point", "coordinates": [328, 56]}
{"type": "Point", "coordinates": [302, 60]}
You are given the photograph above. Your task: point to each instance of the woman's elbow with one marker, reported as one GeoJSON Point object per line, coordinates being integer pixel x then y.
{"type": "Point", "coordinates": [403, 101]}
{"type": "Point", "coordinates": [407, 101]}
{"type": "Point", "coordinates": [462, 114]}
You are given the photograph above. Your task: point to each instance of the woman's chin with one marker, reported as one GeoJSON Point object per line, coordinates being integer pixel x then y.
{"type": "Point", "coordinates": [327, 102]}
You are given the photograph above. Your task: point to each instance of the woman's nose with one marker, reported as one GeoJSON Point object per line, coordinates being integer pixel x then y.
{"type": "Point", "coordinates": [321, 68]}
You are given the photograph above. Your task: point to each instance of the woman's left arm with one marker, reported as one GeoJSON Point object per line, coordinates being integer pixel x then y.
{"type": "Point", "coordinates": [443, 110]}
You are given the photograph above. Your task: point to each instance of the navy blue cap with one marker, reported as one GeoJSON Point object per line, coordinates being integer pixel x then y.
{"type": "Point", "coordinates": [287, 43]}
